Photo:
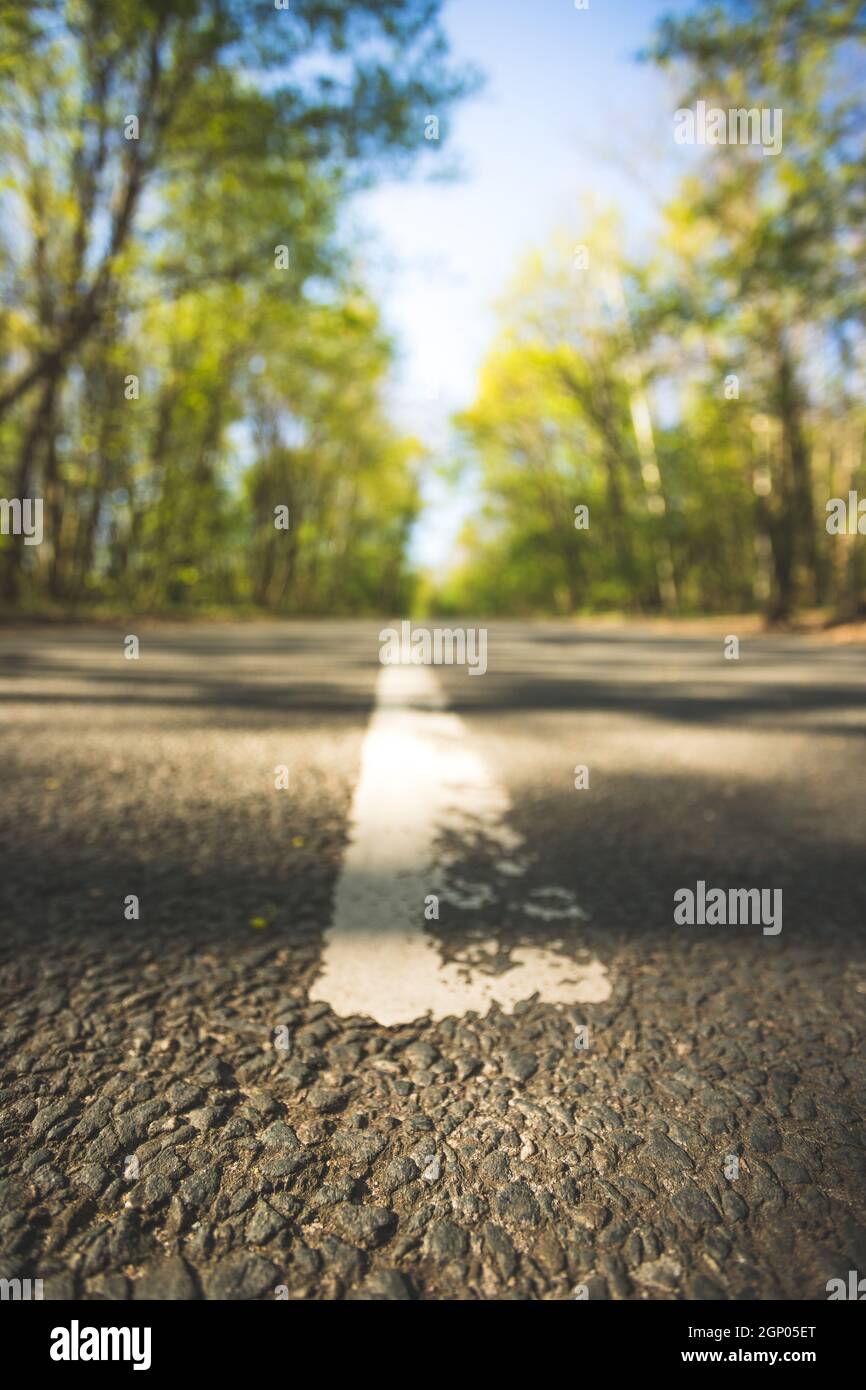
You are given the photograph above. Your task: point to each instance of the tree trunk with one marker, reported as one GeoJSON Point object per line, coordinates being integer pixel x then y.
{"type": "Point", "coordinates": [796, 463]}
{"type": "Point", "coordinates": [36, 432]}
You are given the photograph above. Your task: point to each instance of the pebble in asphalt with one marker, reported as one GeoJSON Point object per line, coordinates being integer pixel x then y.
{"type": "Point", "coordinates": [156, 1142]}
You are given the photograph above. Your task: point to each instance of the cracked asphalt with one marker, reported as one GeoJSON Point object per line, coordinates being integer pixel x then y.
{"type": "Point", "coordinates": [178, 1121]}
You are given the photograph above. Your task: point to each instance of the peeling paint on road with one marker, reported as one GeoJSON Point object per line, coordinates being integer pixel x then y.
{"type": "Point", "coordinates": [419, 777]}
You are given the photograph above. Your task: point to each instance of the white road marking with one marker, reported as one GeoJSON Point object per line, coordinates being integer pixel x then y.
{"type": "Point", "coordinates": [420, 778]}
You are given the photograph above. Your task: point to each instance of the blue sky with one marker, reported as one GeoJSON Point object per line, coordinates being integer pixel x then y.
{"type": "Point", "coordinates": [566, 111]}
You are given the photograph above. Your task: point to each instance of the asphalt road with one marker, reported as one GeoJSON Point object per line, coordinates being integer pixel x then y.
{"type": "Point", "coordinates": [185, 1109]}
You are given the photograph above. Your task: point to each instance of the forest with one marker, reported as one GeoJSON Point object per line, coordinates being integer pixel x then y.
{"type": "Point", "coordinates": [193, 373]}
{"type": "Point", "coordinates": [704, 403]}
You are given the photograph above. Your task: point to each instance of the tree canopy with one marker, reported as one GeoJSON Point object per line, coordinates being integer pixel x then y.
{"type": "Point", "coordinates": [183, 338]}
{"type": "Point", "coordinates": [704, 403]}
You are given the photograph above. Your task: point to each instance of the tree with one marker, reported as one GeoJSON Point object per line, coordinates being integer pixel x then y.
{"type": "Point", "coordinates": [784, 264]}
{"type": "Point", "coordinates": [160, 153]}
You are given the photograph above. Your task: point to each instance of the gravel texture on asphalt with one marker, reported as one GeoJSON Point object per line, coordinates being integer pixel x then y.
{"type": "Point", "coordinates": [177, 1121]}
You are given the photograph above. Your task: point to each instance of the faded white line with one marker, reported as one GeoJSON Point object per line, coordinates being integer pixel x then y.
{"type": "Point", "coordinates": [419, 778]}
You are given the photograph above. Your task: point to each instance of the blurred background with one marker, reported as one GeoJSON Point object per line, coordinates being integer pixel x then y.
{"type": "Point", "coordinates": [430, 276]}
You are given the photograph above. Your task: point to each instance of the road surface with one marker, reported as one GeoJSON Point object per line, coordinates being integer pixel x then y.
{"type": "Point", "coordinates": [323, 979]}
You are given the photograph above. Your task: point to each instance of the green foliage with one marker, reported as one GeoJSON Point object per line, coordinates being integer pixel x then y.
{"type": "Point", "coordinates": [168, 377]}
{"type": "Point", "coordinates": [611, 385]}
